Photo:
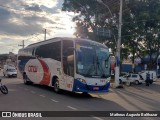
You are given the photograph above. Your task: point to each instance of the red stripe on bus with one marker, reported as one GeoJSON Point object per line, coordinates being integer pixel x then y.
{"type": "Point", "coordinates": [46, 73]}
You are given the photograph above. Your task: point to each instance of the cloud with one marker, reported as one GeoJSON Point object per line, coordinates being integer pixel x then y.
{"type": "Point", "coordinates": [54, 9]}
{"type": "Point", "coordinates": [4, 14]}
{"type": "Point", "coordinates": [33, 7]}
{"type": "Point", "coordinates": [47, 3]}
{"type": "Point", "coordinates": [23, 19]}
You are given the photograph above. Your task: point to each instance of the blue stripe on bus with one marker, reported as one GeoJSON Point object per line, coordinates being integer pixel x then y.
{"type": "Point", "coordinates": [81, 87]}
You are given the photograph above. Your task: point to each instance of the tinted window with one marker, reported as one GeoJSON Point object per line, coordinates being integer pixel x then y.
{"type": "Point", "coordinates": [26, 52]}
{"type": "Point", "coordinates": [51, 50]}
{"type": "Point", "coordinates": [134, 76]}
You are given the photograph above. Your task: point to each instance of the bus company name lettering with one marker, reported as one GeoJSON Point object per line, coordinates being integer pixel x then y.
{"type": "Point", "coordinates": [32, 68]}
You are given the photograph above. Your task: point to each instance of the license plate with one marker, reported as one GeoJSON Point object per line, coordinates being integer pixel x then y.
{"type": "Point", "coordinates": [95, 88]}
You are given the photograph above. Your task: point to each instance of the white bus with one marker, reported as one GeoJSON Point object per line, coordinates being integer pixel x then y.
{"type": "Point", "coordinates": [72, 64]}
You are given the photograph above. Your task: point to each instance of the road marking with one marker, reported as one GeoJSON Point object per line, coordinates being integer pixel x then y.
{"type": "Point", "coordinates": [72, 108]}
{"type": "Point", "coordinates": [97, 118]}
{"type": "Point", "coordinates": [33, 92]}
{"type": "Point", "coordinates": [11, 90]}
{"type": "Point", "coordinates": [54, 100]}
{"type": "Point", "coordinates": [42, 96]}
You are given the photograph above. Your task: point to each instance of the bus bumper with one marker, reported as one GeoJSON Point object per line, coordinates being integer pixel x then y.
{"type": "Point", "coordinates": [81, 87]}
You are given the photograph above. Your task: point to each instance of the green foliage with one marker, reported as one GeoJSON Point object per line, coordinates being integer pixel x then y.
{"type": "Point", "coordinates": [140, 28]}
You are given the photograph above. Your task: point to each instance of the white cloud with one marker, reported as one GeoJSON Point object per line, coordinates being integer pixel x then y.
{"type": "Point", "coordinates": [47, 3]}
{"type": "Point", "coordinates": [26, 20]}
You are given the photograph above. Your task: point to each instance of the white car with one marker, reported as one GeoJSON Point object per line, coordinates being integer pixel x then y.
{"type": "Point", "coordinates": [10, 71]}
{"type": "Point", "coordinates": [132, 78]}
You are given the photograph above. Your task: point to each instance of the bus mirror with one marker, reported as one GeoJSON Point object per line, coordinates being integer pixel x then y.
{"type": "Point", "coordinates": [106, 62]}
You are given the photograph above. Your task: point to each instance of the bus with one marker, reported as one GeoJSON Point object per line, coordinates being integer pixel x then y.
{"type": "Point", "coordinates": [71, 64]}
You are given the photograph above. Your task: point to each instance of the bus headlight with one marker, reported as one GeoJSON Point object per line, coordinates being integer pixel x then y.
{"type": "Point", "coordinates": [81, 80]}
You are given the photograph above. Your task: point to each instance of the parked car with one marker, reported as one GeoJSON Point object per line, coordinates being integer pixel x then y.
{"type": "Point", "coordinates": [132, 78]}
{"type": "Point", "coordinates": [9, 71]}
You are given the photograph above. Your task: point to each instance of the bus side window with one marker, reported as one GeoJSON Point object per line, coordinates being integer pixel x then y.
{"type": "Point", "coordinates": [51, 50]}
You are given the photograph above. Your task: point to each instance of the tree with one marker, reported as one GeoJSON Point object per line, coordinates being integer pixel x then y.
{"type": "Point", "coordinates": [90, 16]}
{"type": "Point", "coordinates": [140, 28]}
{"type": "Point", "coordinates": [143, 28]}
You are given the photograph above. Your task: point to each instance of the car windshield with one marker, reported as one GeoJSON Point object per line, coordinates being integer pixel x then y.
{"type": "Point", "coordinates": [92, 60]}
{"type": "Point", "coordinates": [11, 70]}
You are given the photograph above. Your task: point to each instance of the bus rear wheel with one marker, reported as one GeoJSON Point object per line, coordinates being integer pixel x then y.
{"type": "Point", "coordinates": [25, 79]}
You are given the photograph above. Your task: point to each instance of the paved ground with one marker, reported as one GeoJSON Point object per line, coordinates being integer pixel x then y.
{"type": "Point", "coordinates": [39, 98]}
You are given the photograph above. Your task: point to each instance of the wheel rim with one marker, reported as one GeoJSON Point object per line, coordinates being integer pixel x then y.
{"type": "Point", "coordinates": [137, 82]}
{"type": "Point", "coordinates": [56, 86]}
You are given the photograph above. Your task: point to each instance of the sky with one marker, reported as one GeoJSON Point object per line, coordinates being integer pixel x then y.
{"type": "Point", "coordinates": [27, 20]}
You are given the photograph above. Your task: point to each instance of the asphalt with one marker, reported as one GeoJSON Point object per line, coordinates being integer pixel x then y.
{"type": "Point", "coordinates": [41, 98]}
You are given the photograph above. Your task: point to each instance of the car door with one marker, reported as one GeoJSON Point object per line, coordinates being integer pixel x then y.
{"type": "Point", "coordinates": [134, 77]}
{"type": "Point", "coordinates": [128, 79]}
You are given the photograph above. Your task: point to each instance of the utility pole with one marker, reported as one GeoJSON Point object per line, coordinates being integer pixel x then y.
{"type": "Point", "coordinates": [118, 48]}
{"type": "Point", "coordinates": [22, 44]}
{"type": "Point", "coordinates": [45, 31]}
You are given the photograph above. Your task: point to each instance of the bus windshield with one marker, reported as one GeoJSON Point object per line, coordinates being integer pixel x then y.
{"type": "Point", "coordinates": [92, 60]}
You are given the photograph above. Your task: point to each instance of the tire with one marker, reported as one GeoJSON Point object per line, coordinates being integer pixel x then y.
{"type": "Point", "coordinates": [8, 76]}
{"type": "Point", "coordinates": [4, 89]}
{"type": "Point", "coordinates": [120, 81]}
{"type": "Point", "coordinates": [151, 82]}
{"type": "Point", "coordinates": [56, 86]}
{"type": "Point", "coordinates": [137, 82]}
{"type": "Point", "coordinates": [85, 93]}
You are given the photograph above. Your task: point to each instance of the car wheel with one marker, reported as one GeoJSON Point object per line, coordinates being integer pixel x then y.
{"type": "Point", "coordinates": [151, 82]}
{"type": "Point", "coordinates": [8, 76]}
{"type": "Point", "coordinates": [136, 82]}
{"type": "Point", "coordinates": [120, 81]}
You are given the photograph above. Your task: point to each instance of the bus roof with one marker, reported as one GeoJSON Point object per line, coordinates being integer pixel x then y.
{"type": "Point", "coordinates": [60, 38]}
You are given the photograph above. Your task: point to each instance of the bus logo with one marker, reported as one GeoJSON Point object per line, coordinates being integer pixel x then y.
{"type": "Point", "coordinates": [32, 68]}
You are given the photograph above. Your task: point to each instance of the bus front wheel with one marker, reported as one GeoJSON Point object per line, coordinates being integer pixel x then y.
{"type": "Point", "coordinates": [56, 86]}
{"type": "Point", "coordinates": [85, 93]}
